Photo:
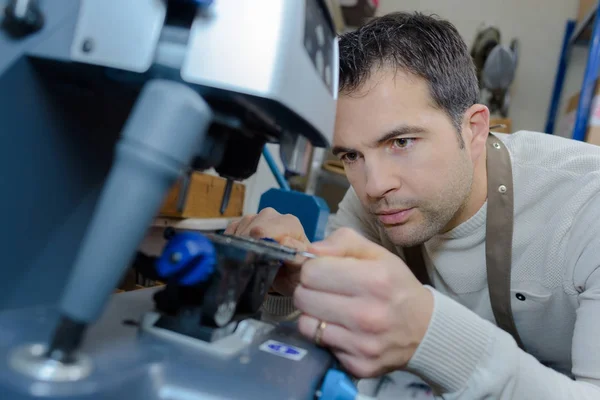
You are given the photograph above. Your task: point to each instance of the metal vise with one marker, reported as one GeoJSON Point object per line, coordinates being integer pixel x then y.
{"type": "Point", "coordinates": [104, 104]}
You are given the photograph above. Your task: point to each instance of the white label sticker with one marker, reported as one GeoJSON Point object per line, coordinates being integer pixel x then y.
{"type": "Point", "coordinates": [283, 350]}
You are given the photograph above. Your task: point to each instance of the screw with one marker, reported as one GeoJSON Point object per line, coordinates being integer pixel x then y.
{"type": "Point", "coordinates": [226, 196]}
{"type": "Point", "coordinates": [244, 359]}
{"type": "Point", "coordinates": [169, 232]}
{"type": "Point", "coordinates": [175, 258]}
{"type": "Point", "coordinates": [88, 45]}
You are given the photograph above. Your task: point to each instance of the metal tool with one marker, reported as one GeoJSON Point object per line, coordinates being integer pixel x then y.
{"type": "Point", "coordinates": [306, 254]}
{"type": "Point", "coordinates": [226, 196]}
{"type": "Point", "coordinates": [265, 246]}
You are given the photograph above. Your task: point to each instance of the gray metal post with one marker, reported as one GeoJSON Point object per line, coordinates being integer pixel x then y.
{"type": "Point", "coordinates": [160, 139]}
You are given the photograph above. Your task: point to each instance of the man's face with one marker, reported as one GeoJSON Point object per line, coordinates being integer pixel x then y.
{"type": "Point", "coordinates": [402, 156]}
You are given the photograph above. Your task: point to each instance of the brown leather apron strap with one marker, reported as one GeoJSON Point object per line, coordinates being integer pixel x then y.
{"type": "Point", "coordinates": [416, 263]}
{"type": "Point", "coordinates": [498, 242]}
{"type": "Point", "coordinates": [499, 234]}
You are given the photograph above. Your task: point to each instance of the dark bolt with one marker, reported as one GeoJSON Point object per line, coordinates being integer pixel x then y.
{"type": "Point", "coordinates": [88, 45]}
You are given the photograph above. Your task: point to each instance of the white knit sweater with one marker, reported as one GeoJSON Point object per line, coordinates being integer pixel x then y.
{"type": "Point", "coordinates": [556, 259]}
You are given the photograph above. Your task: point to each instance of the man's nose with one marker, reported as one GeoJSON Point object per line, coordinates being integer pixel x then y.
{"type": "Point", "coordinates": [380, 180]}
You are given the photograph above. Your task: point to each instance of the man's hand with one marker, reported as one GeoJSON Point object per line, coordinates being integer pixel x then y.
{"type": "Point", "coordinates": [284, 229]}
{"type": "Point", "coordinates": [376, 311]}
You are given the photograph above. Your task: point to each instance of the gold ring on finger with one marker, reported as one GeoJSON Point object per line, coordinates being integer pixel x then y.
{"type": "Point", "coordinates": [319, 332]}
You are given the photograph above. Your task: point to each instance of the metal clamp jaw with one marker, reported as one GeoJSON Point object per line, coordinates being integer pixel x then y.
{"type": "Point", "coordinates": [215, 279]}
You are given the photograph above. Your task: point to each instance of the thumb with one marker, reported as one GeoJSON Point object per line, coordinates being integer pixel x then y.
{"type": "Point", "coordinates": [293, 243]}
{"type": "Point", "coordinates": [346, 242]}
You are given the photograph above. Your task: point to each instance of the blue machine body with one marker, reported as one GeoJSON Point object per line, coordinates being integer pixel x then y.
{"type": "Point", "coordinates": [337, 385]}
{"type": "Point", "coordinates": [312, 211]}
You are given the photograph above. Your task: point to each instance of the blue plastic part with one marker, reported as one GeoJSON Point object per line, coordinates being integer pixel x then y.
{"type": "Point", "coordinates": [281, 181]}
{"type": "Point", "coordinates": [559, 80]}
{"type": "Point", "coordinates": [338, 386]}
{"type": "Point", "coordinates": [573, 38]}
{"type": "Point", "coordinates": [312, 211]}
{"type": "Point", "coordinates": [589, 82]}
{"type": "Point", "coordinates": [189, 258]}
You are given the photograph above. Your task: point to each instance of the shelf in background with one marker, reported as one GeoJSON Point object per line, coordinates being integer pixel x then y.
{"type": "Point", "coordinates": [583, 28]}
{"type": "Point", "coordinates": [585, 31]}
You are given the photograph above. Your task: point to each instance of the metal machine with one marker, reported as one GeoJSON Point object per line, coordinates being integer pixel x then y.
{"type": "Point", "coordinates": [103, 105]}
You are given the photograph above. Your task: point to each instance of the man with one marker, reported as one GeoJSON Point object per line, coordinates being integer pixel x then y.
{"type": "Point", "coordinates": [509, 309]}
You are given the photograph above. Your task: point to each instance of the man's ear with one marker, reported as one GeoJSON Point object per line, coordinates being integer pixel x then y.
{"type": "Point", "coordinates": [477, 122]}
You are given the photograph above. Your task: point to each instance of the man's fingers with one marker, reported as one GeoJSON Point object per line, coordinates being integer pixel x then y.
{"type": "Point", "coordinates": [294, 243]}
{"type": "Point", "coordinates": [346, 242]}
{"type": "Point", "coordinates": [344, 276]}
{"type": "Point", "coordinates": [277, 231]}
{"type": "Point", "coordinates": [298, 245]}
{"type": "Point", "coordinates": [232, 227]}
{"type": "Point", "coordinates": [324, 306]}
{"type": "Point", "coordinates": [357, 366]}
{"type": "Point", "coordinates": [333, 336]}
{"type": "Point", "coordinates": [270, 224]}
{"type": "Point", "coordinates": [278, 228]}
{"type": "Point", "coordinates": [347, 347]}
{"type": "Point", "coordinates": [342, 342]}
{"type": "Point", "coordinates": [244, 224]}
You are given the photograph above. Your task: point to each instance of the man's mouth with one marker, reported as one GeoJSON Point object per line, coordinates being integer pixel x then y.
{"type": "Point", "coordinates": [394, 217]}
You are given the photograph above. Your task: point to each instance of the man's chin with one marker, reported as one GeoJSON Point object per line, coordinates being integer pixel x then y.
{"type": "Point", "coordinates": [406, 235]}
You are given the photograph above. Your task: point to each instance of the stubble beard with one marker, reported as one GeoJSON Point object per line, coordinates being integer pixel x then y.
{"type": "Point", "coordinates": [432, 217]}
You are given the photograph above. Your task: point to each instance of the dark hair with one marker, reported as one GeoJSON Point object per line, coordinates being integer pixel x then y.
{"type": "Point", "coordinates": [423, 45]}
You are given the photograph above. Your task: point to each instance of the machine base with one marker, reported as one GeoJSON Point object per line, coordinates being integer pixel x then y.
{"type": "Point", "coordinates": [132, 358]}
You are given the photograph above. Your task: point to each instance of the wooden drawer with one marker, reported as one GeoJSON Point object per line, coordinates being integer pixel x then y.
{"type": "Point", "coordinates": [203, 199]}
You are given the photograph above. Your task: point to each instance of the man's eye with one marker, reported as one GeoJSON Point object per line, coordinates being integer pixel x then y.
{"type": "Point", "coordinates": [349, 157]}
{"type": "Point", "coordinates": [402, 143]}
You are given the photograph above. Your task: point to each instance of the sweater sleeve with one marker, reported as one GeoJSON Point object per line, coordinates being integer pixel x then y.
{"type": "Point", "coordinates": [465, 356]}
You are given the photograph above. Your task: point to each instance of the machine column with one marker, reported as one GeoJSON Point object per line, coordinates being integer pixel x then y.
{"type": "Point", "coordinates": [162, 135]}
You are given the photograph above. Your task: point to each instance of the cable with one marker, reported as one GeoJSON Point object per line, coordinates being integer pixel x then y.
{"type": "Point", "coordinates": [275, 169]}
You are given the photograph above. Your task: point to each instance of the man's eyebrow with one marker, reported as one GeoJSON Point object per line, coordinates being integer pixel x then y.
{"type": "Point", "coordinates": [399, 131]}
{"type": "Point", "coordinates": [339, 149]}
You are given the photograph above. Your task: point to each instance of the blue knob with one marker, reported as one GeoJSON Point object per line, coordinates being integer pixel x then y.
{"type": "Point", "coordinates": [338, 386]}
{"type": "Point", "coordinates": [189, 258]}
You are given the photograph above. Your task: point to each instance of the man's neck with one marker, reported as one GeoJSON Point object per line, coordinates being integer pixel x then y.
{"type": "Point", "coordinates": [476, 198]}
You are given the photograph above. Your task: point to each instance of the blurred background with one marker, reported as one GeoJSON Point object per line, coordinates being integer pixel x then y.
{"type": "Point", "coordinates": [539, 28]}
{"type": "Point", "coordinates": [531, 56]}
